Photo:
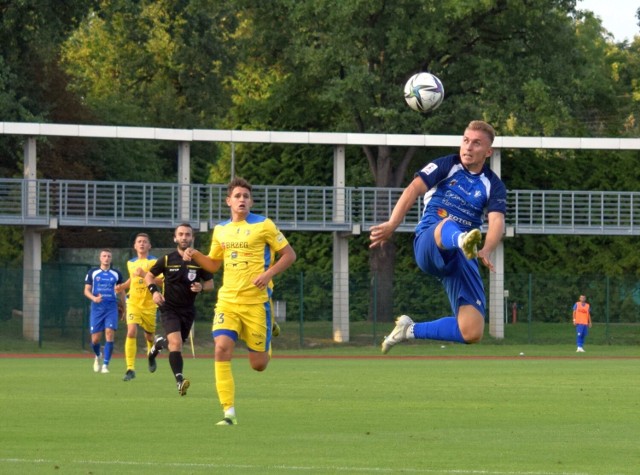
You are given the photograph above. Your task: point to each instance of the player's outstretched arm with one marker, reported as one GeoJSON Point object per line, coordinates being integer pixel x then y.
{"type": "Point", "coordinates": [383, 231]}
{"type": "Point", "coordinates": [202, 260]}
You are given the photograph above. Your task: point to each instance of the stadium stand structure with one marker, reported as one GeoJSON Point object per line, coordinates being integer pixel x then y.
{"type": "Point", "coordinates": [39, 204]}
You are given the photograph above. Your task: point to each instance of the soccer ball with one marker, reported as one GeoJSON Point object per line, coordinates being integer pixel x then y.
{"type": "Point", "coordinates": [423, 92]}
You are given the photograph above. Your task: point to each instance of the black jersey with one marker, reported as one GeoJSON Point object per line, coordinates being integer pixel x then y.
{"type": "Point", "coordinates": [178, 277]}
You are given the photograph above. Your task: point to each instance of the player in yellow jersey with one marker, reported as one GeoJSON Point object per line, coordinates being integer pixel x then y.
{"type": "Point", "coordinates": [141, 309]}
{"type": "Point", "coordinates": [246, 245]}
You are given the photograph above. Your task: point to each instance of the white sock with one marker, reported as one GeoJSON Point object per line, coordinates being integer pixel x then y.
{"type": "Point", "coordinates": [410, 334]}
{"type": "Point", "coordinates": [231, 412]}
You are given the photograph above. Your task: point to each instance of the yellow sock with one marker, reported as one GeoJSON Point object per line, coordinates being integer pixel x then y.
{"type": "Point", "coordinates": [130, 348]}
{"type": "Point", "coordinates": [149, 345]}
{"type": "Point", "coordinates": [225, 384]}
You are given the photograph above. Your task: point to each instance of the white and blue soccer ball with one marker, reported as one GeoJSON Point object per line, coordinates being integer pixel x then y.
{"type": "Point", "coordinates": [423, 92]}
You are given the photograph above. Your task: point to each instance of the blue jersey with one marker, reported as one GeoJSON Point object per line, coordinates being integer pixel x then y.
{"type": "Point", "coordinates": [103, 282]}
{"type": "Point", "coordinates": [454, 192]}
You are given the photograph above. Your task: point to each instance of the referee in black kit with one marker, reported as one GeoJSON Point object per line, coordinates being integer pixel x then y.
{"type": "Point", "coordinates": [183, 281]}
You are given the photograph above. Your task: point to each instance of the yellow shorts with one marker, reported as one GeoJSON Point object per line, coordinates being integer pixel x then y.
{"type": "Point", "coordinates": [146, 318]}
{"type": "Point", "coordinates": [251, 323]}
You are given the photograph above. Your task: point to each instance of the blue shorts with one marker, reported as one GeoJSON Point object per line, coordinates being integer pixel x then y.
{"type": "Point", "coordinates": [103, 315]}
{"type": "Point", "coordinates": [459, 276]}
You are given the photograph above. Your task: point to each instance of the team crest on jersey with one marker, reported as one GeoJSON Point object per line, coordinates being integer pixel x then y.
{"type": "Point", "coordinates": [192, 275]}
{"type": "Point", "coordinates": [234, 255]}
{"type": "Point", "coordinates": [442, 213]}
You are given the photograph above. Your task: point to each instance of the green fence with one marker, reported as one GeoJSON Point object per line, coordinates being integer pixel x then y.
{"type": "Point", "coordinates": [537, 310]}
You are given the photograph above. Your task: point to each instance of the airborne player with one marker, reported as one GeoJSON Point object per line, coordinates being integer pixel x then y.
{"type": "Point", "coordinates": [458, 191]}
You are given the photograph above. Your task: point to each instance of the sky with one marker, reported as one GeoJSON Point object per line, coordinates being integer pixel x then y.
{"type": "Point", "coordinates": [618, 16]}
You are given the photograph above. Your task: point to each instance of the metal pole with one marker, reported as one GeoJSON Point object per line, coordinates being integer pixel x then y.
{"type": "Point", "coordinates": [607, 311]}
{"type": "Point", "coordinates": [530, 307]}
{"type": "Point", "coordinates": [375, 307]}
{"type": "Point", "coordinates": [301, 310]}
{"type": "Point", "coordinates": [233, 160]}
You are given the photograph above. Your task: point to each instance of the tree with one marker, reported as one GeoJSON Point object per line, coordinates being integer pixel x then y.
{"type": "Point", "coordinates": [33, 89]}
{"type": "Point", "coordinates": [153, 63]}
{"type": "Point", "coordinates": [600, 101]}
{"type": "Point", "coordinates": [340, 66]}
{"type": "Point", "coordinates": [528, 67]}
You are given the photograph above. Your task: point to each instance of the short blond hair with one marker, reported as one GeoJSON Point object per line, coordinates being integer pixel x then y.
{"type": "Point", "coordinates": [483, 126]}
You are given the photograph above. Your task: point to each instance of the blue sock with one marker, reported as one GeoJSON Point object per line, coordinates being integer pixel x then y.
{"type": "Point", "coordinates": [108, 349]}
{"type": "Point", "coordinates": [449, 234]}
{"type": "Point", "coordinates": [96, 349]}
{"type": "Point", "coordinates": [445, 329]}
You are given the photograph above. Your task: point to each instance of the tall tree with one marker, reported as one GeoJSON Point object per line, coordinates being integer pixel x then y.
{"type": "Point", "coordinates": [31, 86]}
{"type": "Point", "coordinates": [599, 96]}
{"type": "Point", "coordinates": [33, 89]}
{"type": "Point", "coordinates": [340, 66]}
{"type": "Point", "coordinates": [154, 63]}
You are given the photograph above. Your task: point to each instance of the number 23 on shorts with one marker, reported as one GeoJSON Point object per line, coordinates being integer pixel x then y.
{"type": "Point", "coordinates": [218, 318]}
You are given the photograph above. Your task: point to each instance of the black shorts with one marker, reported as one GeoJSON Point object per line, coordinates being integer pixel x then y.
{"type": "Point", "coordinates": [174, 320]}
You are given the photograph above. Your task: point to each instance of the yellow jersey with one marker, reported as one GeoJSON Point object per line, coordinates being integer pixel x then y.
{"type": "Point", "coordinates": [247, 249]}
{"type": "Point", "coordinates": [139, 295]}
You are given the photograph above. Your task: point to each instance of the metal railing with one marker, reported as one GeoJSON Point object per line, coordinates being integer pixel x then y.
{"type": "Point", "coordinates": [574, 212]}
{"type": "Point", "coordinates": [51, 203]}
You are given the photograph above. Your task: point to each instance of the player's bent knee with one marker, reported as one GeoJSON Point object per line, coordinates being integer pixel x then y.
{"type": "Point", "coordinates": [472, 333]}
{"type": "Point", "coordinates": [471, 324]}
{"type": "Point", "coordinates": [223, 353]}
{"type": "Point", "coordinates": [259, 364]}
{"type": "Point", "coordinates": [259, 361]}
{"type": "Point", "coordinates": [472, 339]}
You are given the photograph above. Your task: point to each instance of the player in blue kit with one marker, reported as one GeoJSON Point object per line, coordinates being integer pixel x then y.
{"type": "Point", "coordinates": [100, 287]}
{"type": "Point", "coordinates": [458, 191]}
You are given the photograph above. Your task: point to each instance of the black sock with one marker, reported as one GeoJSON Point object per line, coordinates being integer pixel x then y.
{"type": "Point", "coordinates": [157, 346]}
{"type": "Point", "coordinates": [175, 360]}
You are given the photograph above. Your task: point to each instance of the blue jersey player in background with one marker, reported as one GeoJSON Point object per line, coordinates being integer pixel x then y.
{"type": "Point", "coordinates": [100, 287]}
{"type": "Point", "coordinates": [459, 190]}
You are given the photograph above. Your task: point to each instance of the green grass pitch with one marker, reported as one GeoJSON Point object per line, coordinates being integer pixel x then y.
{"type": "Point", "coordinates": [326, 415]}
